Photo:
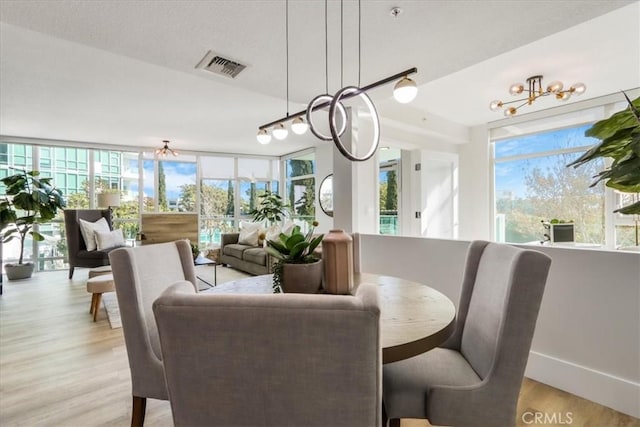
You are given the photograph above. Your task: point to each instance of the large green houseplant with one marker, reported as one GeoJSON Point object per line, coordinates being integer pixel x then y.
{"type": "Point", "coordinates": [620, 141]}
{"type": "Point", "coordinates": [28, 200]}
{"type": "Point", "coordinates": [271, 208]}
{"type": "Point", "coordinates": [298, 269]}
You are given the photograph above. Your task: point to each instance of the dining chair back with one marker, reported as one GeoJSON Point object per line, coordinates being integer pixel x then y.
{"type": "Point", "coordinates": [141, 274]}
{"type": "Point", "coordinates": [474, 378]}
{"type": "Point", "coordinates": [273, 359]}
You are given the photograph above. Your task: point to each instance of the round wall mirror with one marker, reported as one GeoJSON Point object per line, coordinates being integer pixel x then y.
{"type": "Point", "coordinates": [325, 195]}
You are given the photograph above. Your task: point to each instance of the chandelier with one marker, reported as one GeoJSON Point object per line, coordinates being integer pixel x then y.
{"type": "Point", "coordinates": [405, 90]}
{"type": "Point", "coordinates": [166, 150]}
{"type": "Point", "coordinates": [535, 91]}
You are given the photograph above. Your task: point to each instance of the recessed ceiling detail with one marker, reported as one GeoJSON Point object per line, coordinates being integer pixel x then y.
{"type": "Point", "coordinates": [217, 64]}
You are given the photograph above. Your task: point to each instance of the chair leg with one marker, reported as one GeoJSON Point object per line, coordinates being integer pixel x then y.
{"type": "Point", "coordinates": [96, 307]}
{"type": "Point", "coordinates": [93, 303]}
{"type": "Point", "coordinates": [394, 422]}
{"type": "Point", "coordinates": [71, 272]}
{"type": "Point", "coordinates": [385, 419]}
{"type": "Point", "coordinates": [138, 412]}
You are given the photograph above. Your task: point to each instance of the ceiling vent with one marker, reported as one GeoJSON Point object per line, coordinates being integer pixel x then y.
{"type": "Point", "coordinates": [216, 64]}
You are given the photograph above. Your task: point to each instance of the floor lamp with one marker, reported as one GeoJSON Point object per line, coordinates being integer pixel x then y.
{"type": "Point", "coordinates": [109, 200]}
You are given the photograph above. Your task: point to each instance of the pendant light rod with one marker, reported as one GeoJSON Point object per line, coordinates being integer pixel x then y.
{"type": "Point", "coordinates": [346, 96]}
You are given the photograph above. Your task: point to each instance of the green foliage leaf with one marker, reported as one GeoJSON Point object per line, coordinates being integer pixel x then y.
{"type": "Point", "coordinates": [37, 236]}
{"type": "Point", "coordinates": [278, 247]}
{"type": "Point", "coordinates": [632, 209]}
{"type": "Point", "coordinates": [315, 242]}
{"type": "Point", "coordinates": [274, 253]}
{"type": "Point", "coordinates": [298, 250]}
{"type": "Point", "coordinates": [293, 240]}
{"type": "Point", "coordinates": [620, 141]}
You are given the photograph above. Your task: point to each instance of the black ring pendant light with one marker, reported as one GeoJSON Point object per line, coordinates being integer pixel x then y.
{"type": "Point", "coordinates": [335, 102]}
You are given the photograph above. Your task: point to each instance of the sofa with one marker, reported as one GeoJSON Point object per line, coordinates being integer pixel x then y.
{"type": "Point", "coordinates": [250, 259]}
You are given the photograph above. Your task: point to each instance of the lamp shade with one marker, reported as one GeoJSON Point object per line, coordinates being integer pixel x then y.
{"type": "Point", "coordinates": [106, 200]}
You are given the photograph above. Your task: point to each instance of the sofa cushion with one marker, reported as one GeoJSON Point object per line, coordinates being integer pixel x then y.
{"type": "Point", "coordinates": [256, 256]}
{"type": "Point", "coordinates": [235, 250]}
{"type": "Point", "coordinates": [94, 255]}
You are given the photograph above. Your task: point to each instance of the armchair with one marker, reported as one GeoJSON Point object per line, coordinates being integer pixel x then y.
{"type": "Point", "coordinates": [77, 251]}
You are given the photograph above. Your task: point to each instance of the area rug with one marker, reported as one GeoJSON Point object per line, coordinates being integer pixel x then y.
{"type": "Point", "coordinates": [110, 302]}
{"type": "Point", "coordinates": [225, 274]}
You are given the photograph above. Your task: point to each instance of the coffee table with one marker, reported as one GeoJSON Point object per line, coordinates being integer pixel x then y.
{"type": "Point", "coordinates": [200, 260]}
{"type": "Point", "coordinates": [414, 318]}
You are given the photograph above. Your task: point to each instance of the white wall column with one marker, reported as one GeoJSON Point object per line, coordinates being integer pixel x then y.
{"type": "Point", "coordinates": [355, 185]}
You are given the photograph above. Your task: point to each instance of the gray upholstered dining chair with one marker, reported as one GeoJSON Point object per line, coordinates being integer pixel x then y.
{"type": "Point", "coordinates": [474, 378]}
{"type": "Point", "coordinates": [141, 274]}
{"type": "Point", "coordinates": [273, 359]}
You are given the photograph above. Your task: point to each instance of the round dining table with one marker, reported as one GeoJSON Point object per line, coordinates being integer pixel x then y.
{"type": "Point", "coordinates": [414, 318]}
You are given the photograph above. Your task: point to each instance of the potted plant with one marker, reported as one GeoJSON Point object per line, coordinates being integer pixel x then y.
{"type": "Point", "coordinates": [271, 208]}
{"type": "Point", "coordinates": [297, 269]}
{"type": "Point", "coordinates": [29, 200]}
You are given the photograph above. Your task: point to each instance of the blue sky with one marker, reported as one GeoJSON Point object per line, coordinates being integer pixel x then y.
{"type": "Point", "coordinates": [509, 176]}
{"type": "Point", "coordinates": [176, 173]}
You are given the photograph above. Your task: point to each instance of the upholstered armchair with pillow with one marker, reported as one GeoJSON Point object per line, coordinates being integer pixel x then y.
{"type": "Point", "coordinates": [90, 237]}
{"type": "Point", "coordinates": [271, 360]}
{"type": "Point", "coordinates": [141, 274]}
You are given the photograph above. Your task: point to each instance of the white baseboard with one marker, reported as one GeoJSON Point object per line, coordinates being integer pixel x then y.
{"type": "Point", "coordinates": [617, 393]}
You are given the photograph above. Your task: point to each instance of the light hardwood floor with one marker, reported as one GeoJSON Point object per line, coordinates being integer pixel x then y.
{"type": "Point", "coordinates": [58, 368]}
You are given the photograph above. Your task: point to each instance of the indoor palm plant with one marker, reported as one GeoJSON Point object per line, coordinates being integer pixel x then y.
{"type": "Point", "coordinates": [297, 268]}
{"type": "Point", "coordinates": [28, 200]}
{"type": "Point", "coordinates": [271, 208]}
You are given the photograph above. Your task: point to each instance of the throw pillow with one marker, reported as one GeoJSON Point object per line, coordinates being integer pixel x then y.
{"type": "Point", "coordinates": [250, 226]}
{"type": "Point", "coordinates": [273, 232]}
{"type": "Point", "coordinates": [109, 239]}
{"type": "Point", "coordinates": [88, 230]}
{"type": "Point", "coordinates": [249, 236]}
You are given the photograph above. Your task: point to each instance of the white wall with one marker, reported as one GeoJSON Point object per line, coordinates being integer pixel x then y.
{"type": "Point", "coordinates": [475, 186]}
{"type": "Point", "coordinates": [587, 339]}
{"type": "Point", "coordinates": [324, 167]}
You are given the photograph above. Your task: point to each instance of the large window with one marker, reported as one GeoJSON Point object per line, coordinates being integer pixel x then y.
{"type": "Point", "coordinates": [221, 189]}
{"type": "Point", "coordinates": [229, 190]}
{"type": "Point", "coordinates": [389, 179]}
{"type": "Point", "coordinates": [300, 186]}
{"type": "Point", "coordinates": [70, 168]}
{"type": "Point", "coordinates": [533, 184]}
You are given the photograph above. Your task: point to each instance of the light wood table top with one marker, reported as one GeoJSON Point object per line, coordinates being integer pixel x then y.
{"type": "Point", "coordinates": [414, 317]}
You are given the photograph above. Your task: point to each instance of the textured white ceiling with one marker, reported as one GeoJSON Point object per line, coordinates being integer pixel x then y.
{"type": "Point", "coordinates": [123, 72]}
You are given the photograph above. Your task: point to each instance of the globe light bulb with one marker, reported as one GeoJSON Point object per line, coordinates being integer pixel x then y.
{"type": "Point", "coordinates": [516, 89]}
{"type": "Point", "coordinates": [511, 111]}
{"type": "Point", "coordinates": [405, 90]}
{"type": "Point", "coordinates": [495, 105]}
{"type": "Point", "coordinates": [299, 126]}
{"type": "Point", "coordinates": [263, 137]}
{"type": "Point", "coordinates": [578, 88]}
{"type": "Point", "coordinates": [280, 132]}
{"type": "Point", "coordinates": [563, 96]}
{"type": "Point", "coordinates": [554, 87]}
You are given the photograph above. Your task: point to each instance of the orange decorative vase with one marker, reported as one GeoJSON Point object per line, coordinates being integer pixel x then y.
{"type": "Point", "coordinates": [337, 257]}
